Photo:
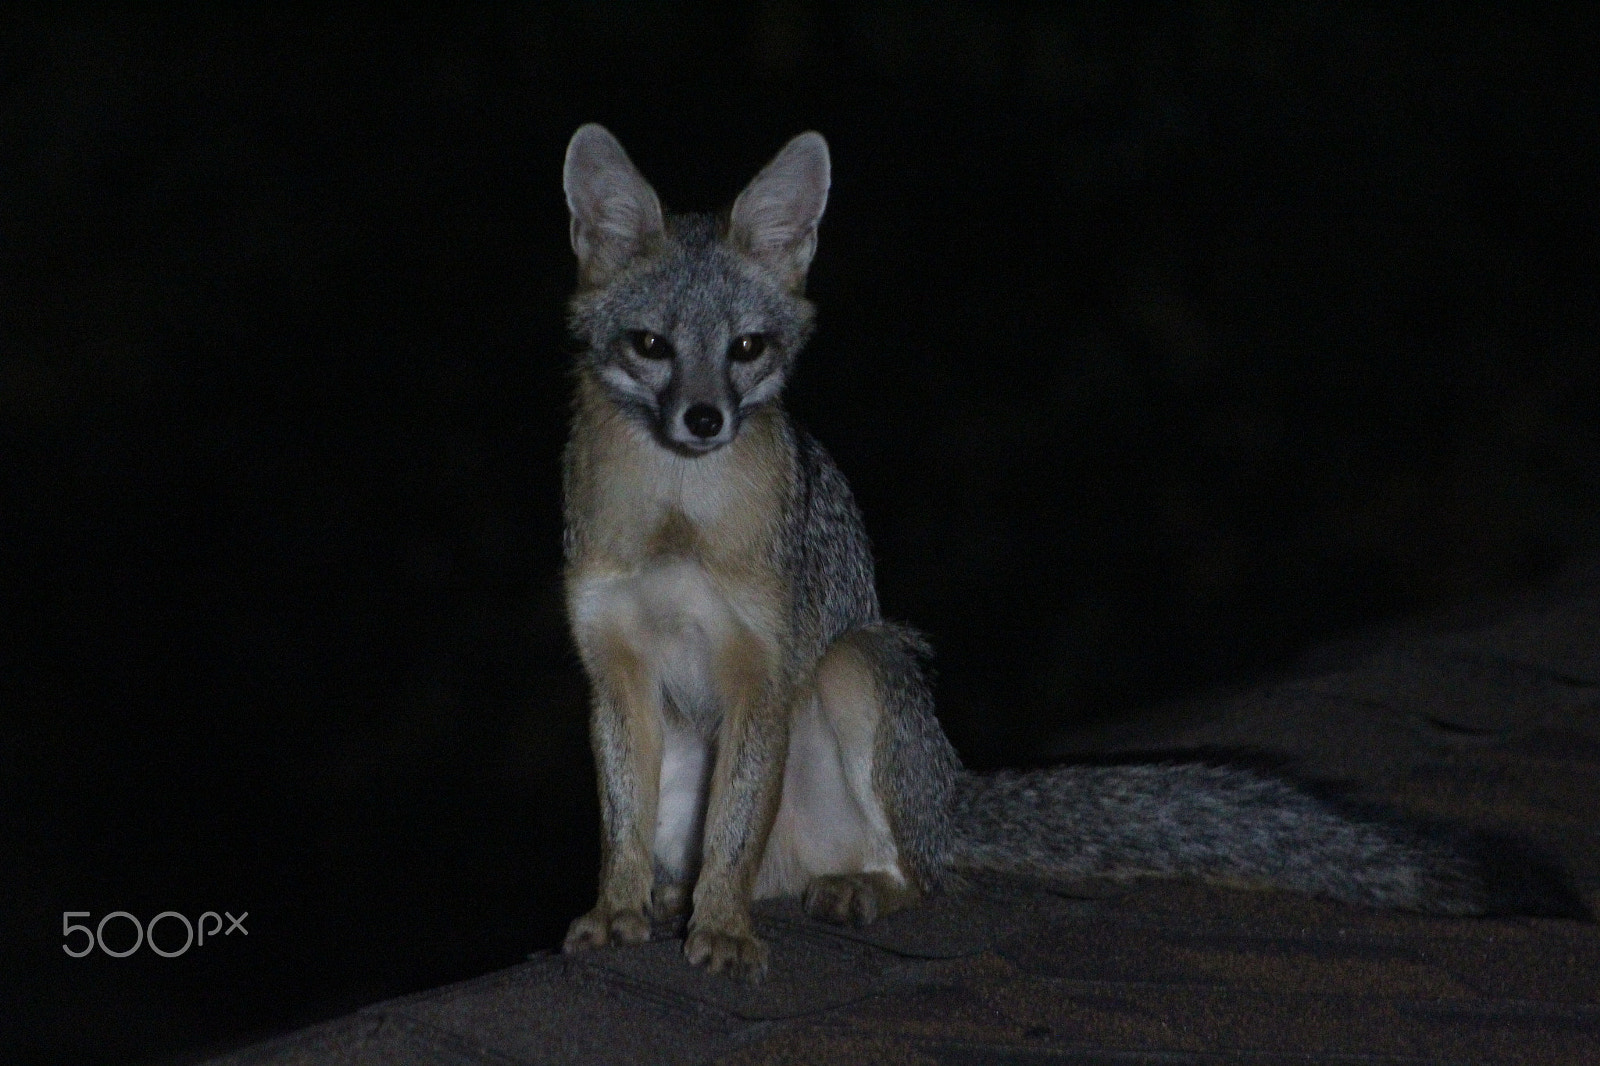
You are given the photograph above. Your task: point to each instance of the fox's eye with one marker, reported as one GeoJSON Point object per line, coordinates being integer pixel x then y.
{"type": "Point", "coordinates": [748, 347]}
{"type": "Point", "coordinates": [649, 345]}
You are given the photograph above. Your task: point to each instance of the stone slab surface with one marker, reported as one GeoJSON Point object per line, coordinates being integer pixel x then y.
{"type": "Point", "coordinates": [1492, 721]}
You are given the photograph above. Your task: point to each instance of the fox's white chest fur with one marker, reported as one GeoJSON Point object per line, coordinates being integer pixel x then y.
{"type": "Point", "coordinates": [670, 612]}
{"type": "Point", "coordinates": [684, 580]}
{"type": "Point", "coordinates": [682, 569]}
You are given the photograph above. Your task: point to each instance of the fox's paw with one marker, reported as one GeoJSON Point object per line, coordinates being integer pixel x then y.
{"type": "Point", "coordinates": [603, 926]}
{"type": "Point", "coordinates": [738, 955]}
{"type": "Point", "coordinates": [851, 899]}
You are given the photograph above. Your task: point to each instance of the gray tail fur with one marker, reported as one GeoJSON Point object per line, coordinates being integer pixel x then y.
{"type": "Point", "coordinates": [1240, 826]}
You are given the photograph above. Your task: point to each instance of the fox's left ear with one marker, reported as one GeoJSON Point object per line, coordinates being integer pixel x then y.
{"type": "Point", "coordinates": [615, 212]}
{"type": "Point", "coordinates": [775, 219]}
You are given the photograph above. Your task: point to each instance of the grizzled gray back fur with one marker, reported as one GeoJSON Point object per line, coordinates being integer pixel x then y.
{"type": "Point", "coordinates": [828, 556]}
{"type": "Point", "coordinates": [914, 762]}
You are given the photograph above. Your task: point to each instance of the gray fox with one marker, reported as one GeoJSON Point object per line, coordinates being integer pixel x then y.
{"type": "Point", "coordinates": [759, 730]}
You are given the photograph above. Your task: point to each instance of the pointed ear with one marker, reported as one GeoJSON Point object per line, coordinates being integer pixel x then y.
{"type": "Point", "coordinates": [775, 219]}
{"type": "Point", "coordinates": [615, 212]}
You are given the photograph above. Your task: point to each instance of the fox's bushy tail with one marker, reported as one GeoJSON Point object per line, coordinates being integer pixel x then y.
{"type": "Point", "coordinates": [1239, 826]}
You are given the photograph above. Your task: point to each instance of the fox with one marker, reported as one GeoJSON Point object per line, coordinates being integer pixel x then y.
{"type": "Point", "coordinates": [759, 730]}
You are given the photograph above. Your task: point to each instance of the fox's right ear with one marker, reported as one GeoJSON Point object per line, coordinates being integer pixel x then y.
{"type": "Point", "coordinates": [615, 212]}
{"type": "Point", "coordinates": [775, 219]}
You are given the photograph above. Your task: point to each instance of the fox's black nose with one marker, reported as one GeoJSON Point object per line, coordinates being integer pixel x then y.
{"type": "Point", "coordinates": [703, 420]}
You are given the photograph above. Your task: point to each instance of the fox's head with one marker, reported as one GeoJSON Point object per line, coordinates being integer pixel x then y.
{"type": "Point", "coordinates": [691, 322]}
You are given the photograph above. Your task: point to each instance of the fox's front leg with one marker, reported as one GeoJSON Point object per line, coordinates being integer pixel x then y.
{"type": "Point", "coordinates": [625, 730]}
{"type": "Point", "coordinates": [746, 785]}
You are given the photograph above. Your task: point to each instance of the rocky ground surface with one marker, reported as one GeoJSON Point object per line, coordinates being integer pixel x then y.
{"type": "Point", "coordinates": [1489, 716]}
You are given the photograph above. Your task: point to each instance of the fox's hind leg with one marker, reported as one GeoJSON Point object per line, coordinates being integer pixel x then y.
{"type": "Point", "coordinates": [863, 824]}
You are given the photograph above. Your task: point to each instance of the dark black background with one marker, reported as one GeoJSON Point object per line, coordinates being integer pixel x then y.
{"type": "Point", "coordinates": [1158, 341]}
